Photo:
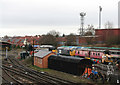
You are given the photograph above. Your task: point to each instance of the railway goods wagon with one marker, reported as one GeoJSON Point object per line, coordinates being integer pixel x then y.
{"type": "Point", "coordinates": [69, 64]}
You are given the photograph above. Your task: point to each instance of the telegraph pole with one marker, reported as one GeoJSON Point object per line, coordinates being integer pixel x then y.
{"type": "Point", "coordinates": [100, 9]}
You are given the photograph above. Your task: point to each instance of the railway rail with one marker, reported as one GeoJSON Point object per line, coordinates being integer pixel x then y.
{"type": "Point", "coordinates": [10, 80]}
{"type": "Point", "coordinates": [37, 77]}
{"type": "Point", "coordinates": [27, 77]}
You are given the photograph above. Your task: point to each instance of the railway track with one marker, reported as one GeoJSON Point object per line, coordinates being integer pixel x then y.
{"type": "Point", "coordinates": [25, 77]}
{"type": "Point", "coordinates": [3, 79]}
{"type": "Point", "coordinates": [8, 79]}
{"type": "Point", "coordinates": [36, 77]}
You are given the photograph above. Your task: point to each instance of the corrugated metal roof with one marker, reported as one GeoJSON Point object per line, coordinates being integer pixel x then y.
{"type": "Point", "coordinates": [22, 40]}
{"type": "Point", "coordinates": [5, 39]}
{"type": "Point", "coordinates": [17, 40]}
{"type": "Point", "coordinates": [69, 57]}
{"type": "Point", "coordinates": [42, 53]}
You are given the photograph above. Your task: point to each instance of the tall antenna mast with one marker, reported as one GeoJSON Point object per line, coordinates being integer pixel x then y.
{"type": "Point", "coordinates": [82, 14]}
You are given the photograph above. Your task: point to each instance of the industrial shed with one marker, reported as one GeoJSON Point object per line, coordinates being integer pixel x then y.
{"type": "Point", "coordinates": [69, 64]}
{"type": "Point", "coordinates": [41, 58]}
{"type": "Point", "coordinates": [4, 44]}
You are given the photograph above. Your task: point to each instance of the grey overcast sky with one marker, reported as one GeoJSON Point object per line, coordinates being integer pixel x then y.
{"type": "Point", "coordinates": [33, 17]}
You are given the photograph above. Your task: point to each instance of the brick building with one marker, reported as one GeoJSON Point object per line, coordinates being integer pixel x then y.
{"type": "Point", "coordinates": [41, 58]}
{"type": "Point", "coordinates": [104, 34]}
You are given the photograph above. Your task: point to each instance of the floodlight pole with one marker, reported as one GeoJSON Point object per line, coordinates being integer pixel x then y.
{"type": "Point", "coordinates": [100, 9]}
{"type": "Point", "coordinates": [82, 14]}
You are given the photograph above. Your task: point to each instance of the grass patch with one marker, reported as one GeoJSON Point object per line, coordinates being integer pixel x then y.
{"type": "Point", "coordinates": [27, 61]}
{"type": "Point", "coordinates": [39, 69]}
{"type": "Point", "coordinates": [62, 75]}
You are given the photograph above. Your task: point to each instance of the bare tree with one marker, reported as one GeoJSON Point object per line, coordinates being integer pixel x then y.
{"type": "Point", "coordinates": [108, 25]}
{"type": "Point", "coordinates": [88, 36]}
{"type": "Point", "coordinates": [54, 33]}
{"type": "Point", "coordinates": [48, 40]}
{"type": "Point", "coordinates": [90, 30]}
{"type": "Point", "coordinates": [5, 37]}
{"type": "Point", "coordinates": [71, 39]}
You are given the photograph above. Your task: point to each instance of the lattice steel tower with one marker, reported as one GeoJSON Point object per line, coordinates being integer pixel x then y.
{"type": "Point", "coordinates": [82, 14]}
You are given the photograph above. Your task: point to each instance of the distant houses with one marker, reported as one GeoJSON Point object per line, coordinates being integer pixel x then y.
{"type": "Point", "coordinates": [101, 36]}
{"type": "Point", "coordinates": [22, 41]}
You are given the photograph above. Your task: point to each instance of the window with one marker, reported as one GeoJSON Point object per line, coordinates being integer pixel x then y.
{"type": "Point", "coordinates": [59, 51]}
{"type": "Point", "coordinates": [93, 53]}
{"type": "Point", "coordinates": [36, 59]}
{"type": "Point", "coordinates": [40, 61]}
{"type": "Point", "coordinates": [98, 54]}
{"type": "Point", "coordinates": [78, 52]}
{"type": "Point", "coordinates": [112, 53]}
{"type": "Point", "coordinates": [68, 51]}
{"type": "Point", "coordinates": [85, 54]}
{"type": "Point", "coordinates": [75, 51]}
{"type": "Point", "coordinates": [118, 53]}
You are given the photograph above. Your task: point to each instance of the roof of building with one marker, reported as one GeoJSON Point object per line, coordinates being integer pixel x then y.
{"type": "Point", "coordinates": [71, 59]}
{"type": "Point", "coordinates": [17, 40]}
{"type": "Point", "coordinates": [42, 53]}
{"type": "Point", "coordinates": [5, 39]}
{"type": "Point", "coordinates": [109, 29]}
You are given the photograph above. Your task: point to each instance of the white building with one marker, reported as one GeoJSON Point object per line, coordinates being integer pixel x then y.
{"type": "Point", "coordinates": [119, 14]}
